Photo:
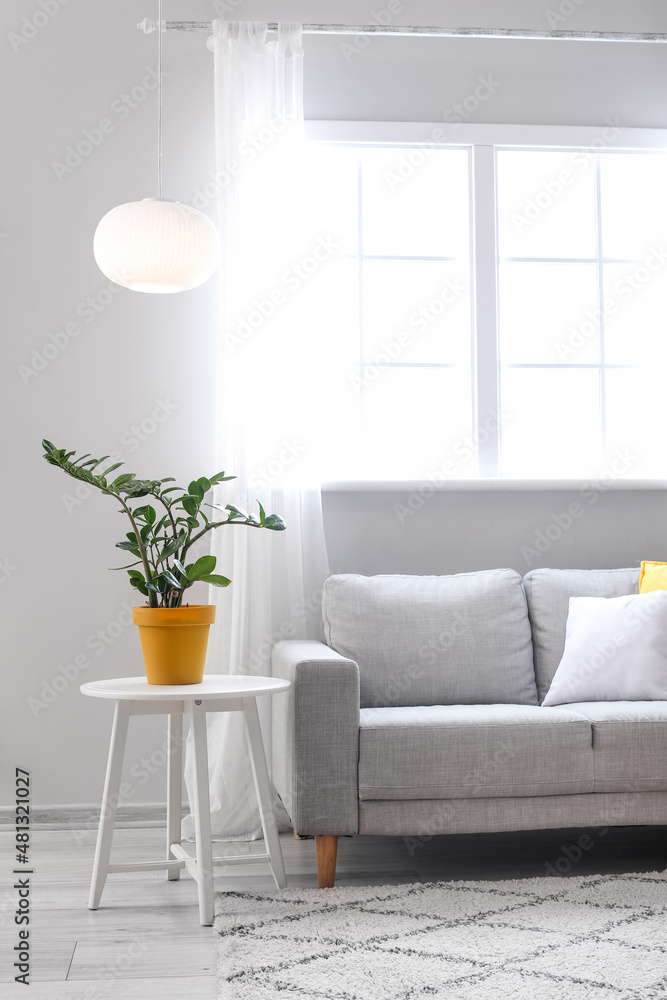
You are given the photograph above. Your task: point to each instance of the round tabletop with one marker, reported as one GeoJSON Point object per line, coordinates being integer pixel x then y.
{"type": "Point", "coordinates": [213, 686]}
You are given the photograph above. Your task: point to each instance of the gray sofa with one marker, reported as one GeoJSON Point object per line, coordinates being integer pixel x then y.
{"type": "Point", "coordinates": [422, 714]}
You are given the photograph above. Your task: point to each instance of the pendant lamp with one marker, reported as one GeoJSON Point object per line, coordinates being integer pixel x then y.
{"type": "Point", "coordinates": [157, 245]}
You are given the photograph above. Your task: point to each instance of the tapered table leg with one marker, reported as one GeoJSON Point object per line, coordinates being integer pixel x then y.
{"type": "Point", "coordinates": [326, 849]}
{"type": "Point", "coordinates": [264, 791]}
{"type": "Point", "coordinates": [202, 811]}
{"type": "Point", "coordinates": [174, 785]}
{"type": "Point", "coordinates": [109, 802]}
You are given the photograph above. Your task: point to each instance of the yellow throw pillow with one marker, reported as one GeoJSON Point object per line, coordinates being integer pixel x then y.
{"type": "Point", "coordinates": [653, 577]}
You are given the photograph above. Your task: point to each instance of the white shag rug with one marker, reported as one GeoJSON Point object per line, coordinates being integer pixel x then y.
{"type": "Point", "coordinates": [600, 937]}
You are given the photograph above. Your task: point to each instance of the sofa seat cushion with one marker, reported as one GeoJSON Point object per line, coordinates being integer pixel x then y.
{"type": "Point", "coordinates": [629, 744]}
{"type": "Point", "coordinates": [549, 592]}
{"type": "Point", "coordinates": [476, 751]}
{"type": "Point", "coordinates": [434, 640]}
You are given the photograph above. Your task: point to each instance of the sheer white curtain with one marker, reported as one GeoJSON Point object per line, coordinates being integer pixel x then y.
{"type": "Point", "coordinates": [269, 368]}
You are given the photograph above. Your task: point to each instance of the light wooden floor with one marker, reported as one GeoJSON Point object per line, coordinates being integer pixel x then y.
{"type": "Point", "coordinates": [145, 942]}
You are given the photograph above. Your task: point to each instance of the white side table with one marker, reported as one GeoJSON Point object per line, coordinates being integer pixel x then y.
{"type": "Point", "coordinates": [216, 693]}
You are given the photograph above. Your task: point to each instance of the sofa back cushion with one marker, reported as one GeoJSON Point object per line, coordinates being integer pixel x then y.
{"type": "Point", "coordinates": [549, 592]}
{"type": "Point", "coordinates": [434, 640]}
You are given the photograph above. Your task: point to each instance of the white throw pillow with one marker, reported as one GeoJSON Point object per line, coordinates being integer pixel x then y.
{"type": "Point", "coordinates": [615, 650]}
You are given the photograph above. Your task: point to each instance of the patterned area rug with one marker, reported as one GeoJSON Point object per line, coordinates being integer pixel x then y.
{"type": "Point", "coordinates": [591, 938]}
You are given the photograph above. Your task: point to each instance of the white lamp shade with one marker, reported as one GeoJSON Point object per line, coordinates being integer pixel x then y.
{"type": "Point", "coordinates": [156, 245]}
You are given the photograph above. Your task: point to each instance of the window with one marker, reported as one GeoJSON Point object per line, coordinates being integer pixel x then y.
{"type": "Point", "coordinates": [412, 369]}
{"type": "Point", "coordinates": [582, 299]}
{"type": "Point", "coordinates": [492, 309]}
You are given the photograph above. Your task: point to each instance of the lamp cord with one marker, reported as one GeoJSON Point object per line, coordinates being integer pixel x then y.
{"type": "Point", "coordinates": [159, 100]}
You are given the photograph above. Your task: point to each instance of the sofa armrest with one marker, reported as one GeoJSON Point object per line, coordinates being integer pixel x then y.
{"type": "Point", "coordinates": [316, 737]}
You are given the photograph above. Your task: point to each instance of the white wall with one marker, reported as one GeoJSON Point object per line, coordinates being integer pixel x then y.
{"type": "Point", "coordinates": [419, 531]}
{"type": "Point", "coordinates": [141, 349]}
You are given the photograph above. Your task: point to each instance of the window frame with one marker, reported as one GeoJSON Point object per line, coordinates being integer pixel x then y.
{"type": "Point", "coordinates": [483, 143]}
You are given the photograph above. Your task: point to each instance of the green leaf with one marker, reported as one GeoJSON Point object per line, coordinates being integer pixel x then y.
{"type": "Point", "coordinates": [204, 484]}
{"type": "Point", "coordinates": [203, 566]}
{"type": "Point", "coordinates": [128, 567]}
{"type": "Point", "coordinates": [168, 550]}
{"type": "Point", "coordinates": [170, 578]}
{"type": "Point", "coordinates": [236, 511]}
{"type": "Point", "coordinates": [181, 568]}
{"type": "Point", "coordinates": [140, 585]}
{"type": "Point", "coordinates": [216, 581]}
{"type": "Point", "coordinates": [220, 477]}
{"type": "Point", "coordinates": [274, 523]}
{"type": "Point", "coordinates": [262, 515]}
{"type": "Point", "coordinates": [129, 547]}
{"type": "Point", "coordinates": [135, 574]}
{"type": "Point", "coordinates": [116, 465]}
{"type": "Point", "coordinates": [121, 480]}
{"type": "Point", "coordinates": [132, 492]}
{"type": "Point", "coordinates": [189, 505]}
{"type": "Point", "coordinates": [172, 546]}
{"type": "Point", "coordinates": [194, 489]}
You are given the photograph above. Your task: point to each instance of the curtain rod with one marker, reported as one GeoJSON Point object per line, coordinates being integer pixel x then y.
{"type": "Point", "coordinates": [408, 30]}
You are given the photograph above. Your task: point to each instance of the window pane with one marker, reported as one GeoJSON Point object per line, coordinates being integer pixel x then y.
{"type": "Point", "coordinates": [550, 422]}
{"type": "Point", "coordinates": [634, 203]}
{"type": "Point", "coordinates": [636, 446]}
{"type": "Point", "coordinates": [417, 424]}
{"type": "Point", "coordinates": [416, 311]}
{"type": "Point", "coordinates": [332, 193]}
{"type": "Point", "coordinates": [636, 307]}
{"type": "Point", "coordinates": [546, 204]}
{"type": "Point", "coordinates": [415, 202]}
{"type": "Point", "coordinates": [548, 313]}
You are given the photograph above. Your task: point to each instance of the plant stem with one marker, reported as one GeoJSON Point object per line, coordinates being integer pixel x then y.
{"type": "Point", "coordinates": [152, 596]}
{"type": "Point", "coordinates": [167, 507]}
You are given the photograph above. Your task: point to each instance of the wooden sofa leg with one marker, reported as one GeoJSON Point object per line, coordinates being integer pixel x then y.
{"type": "Point", "coordinates": [326, 849]}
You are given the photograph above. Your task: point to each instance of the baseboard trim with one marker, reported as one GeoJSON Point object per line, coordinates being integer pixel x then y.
{"type": "Point", "coordinates": [86, 817]}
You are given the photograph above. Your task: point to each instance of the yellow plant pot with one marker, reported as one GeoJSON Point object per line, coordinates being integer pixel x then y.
{"type": "Point", "coordinates": [174, 641]}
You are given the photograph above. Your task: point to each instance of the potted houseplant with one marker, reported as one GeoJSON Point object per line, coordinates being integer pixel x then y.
{"type": "Point", "coordinates": [167, 522]}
